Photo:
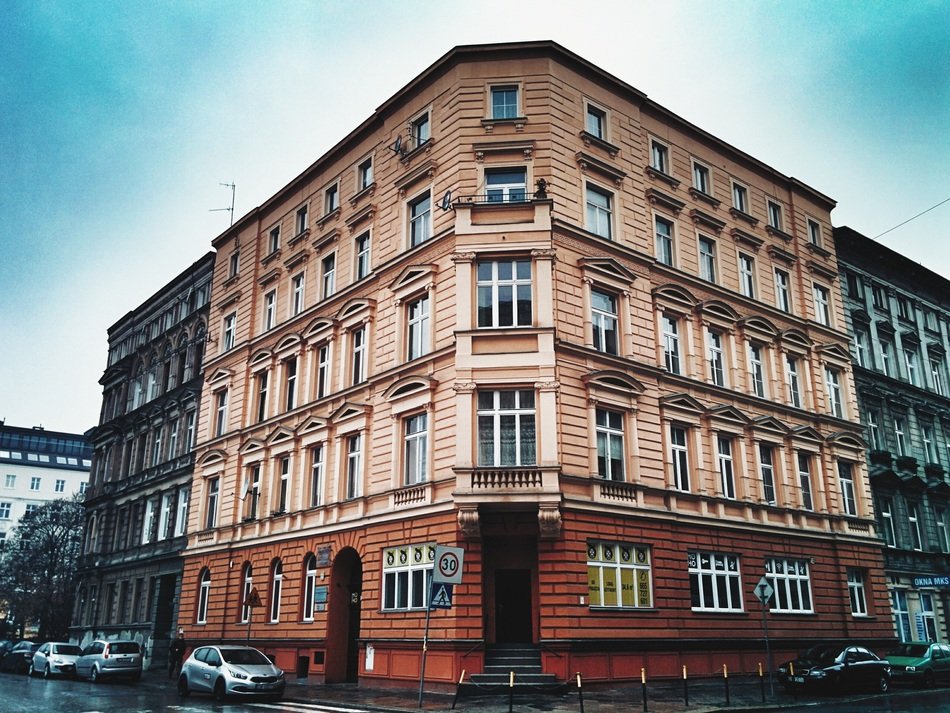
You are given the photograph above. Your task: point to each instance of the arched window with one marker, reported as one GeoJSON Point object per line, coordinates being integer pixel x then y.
{"type": "Point", "coordinates": [204, 592]}
{"type": "Point", "coordinates": [246, 593]}
{"type": "Point", "coordinates": [309, 586]}
{"type": "Point", "coordinates": [276, 582]}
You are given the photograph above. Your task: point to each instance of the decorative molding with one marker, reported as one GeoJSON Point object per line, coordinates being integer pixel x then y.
{"type": "Point", "coordinates": [325, 239]}
{"type": "Point", "coordinates": [589, 163]}
{"type": "Point", "coordinates": [783, 255]}
{"type": "Point", "coordinates": [742, 215]}
{"type": "Point", "coordinates": [660, 176]}
{"type": "Point", "coordinates": [741, 236]}
{"type": "Point", "coordinates": [778, 233]}
{"type": "Point", "coordinates": [549, 521]}
{"type": "Point", "coordinates": [819, 269]}
{"type": "Point", "coordinates": [701, 217]}
{"type": "Point", "coordinates": [525, 148]}
{"type": "Point", "coordinates": [269, 277]}
{"type": "Point", "coordinates": [409, 178]}
{"type": "Point", "coordinates": [590, 140]}
{"type": "Point", "coordinates": [365, 213]}
{"type": "Point", "coordinates": [468, 523]}
{"type": "Point", "coordinates": [464, 387]}
{"type": "Point", "coordinates": [658, 197]}
{"type": "Point", "coordinates": [704, 197]}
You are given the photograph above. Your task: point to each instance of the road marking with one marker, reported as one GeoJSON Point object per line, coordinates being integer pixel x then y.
{"type": "Point", "coordinates": [304, 706]}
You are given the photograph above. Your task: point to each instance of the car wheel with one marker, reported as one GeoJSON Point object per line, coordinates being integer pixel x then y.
{"type": "Point", "coordinates": [929, 680]}
{"type": "Point", "coordinates": [30, 671]}
{"type": "Point", "coordinates": [220, 693]}
{"type": "Point", "coordinates": [183, 689]}
{"type": "Point", "coordinates": [94, 674]}
{"type": "Point", "coordinates": [47, 673]}
{"type": "Point", "coordinates": [883, 683]}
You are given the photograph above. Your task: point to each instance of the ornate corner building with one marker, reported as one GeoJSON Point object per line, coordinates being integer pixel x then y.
{"type": "Point", "coordinates": [524, 310]}
{"type": "Point", "coordinates": [898, 317]}
{"type": "Point", "coordinates": [137, 502]}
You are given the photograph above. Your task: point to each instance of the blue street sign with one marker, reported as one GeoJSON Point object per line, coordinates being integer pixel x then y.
{"type": "Point", "coordinates": [440, 596]}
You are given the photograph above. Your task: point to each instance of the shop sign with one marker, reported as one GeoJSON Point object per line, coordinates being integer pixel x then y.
{"type": "Point", "coordinates": [932, 581]}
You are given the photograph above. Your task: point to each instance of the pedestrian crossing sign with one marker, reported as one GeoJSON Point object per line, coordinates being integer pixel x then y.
{"type": "Point", "coordinates": [441, 596]}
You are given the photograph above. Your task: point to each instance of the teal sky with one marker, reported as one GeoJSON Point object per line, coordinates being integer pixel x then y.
{"type": "Point", "coordinates": [118, 121]}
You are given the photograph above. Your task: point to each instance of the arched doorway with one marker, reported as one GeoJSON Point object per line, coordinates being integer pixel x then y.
{"type": "Point", "coordinates": [343, 617]}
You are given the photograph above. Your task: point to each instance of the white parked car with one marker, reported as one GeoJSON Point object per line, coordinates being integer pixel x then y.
{"type": "Point", "coordinates": [55, 659]}
{"type": "Point", "coordinates": [229, 670]}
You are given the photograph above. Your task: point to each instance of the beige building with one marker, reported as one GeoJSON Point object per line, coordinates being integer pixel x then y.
{"type": "Point", "coordinates": [524, 310]}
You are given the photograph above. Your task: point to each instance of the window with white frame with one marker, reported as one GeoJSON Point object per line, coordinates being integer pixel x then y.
{"type": "Point", "coordinates": [789, 578]}
{"type": "Point", "coordinates": [301, 222]}
{"type": "Point", "coordinates": [913, 522]}
{"type": "Point", "coordinates": [822, 304]}
{"type": "Point", "coordinates": [417, 327]}
{"type": "Point", "coordinates": [204, 594]}
{"type": "Point", "coordinates": [290, 383]}
{"type": "Point", "coordinates": [309, 586]}
{"type": "Point", "coordinates": [328, 276]}
{"type": "Point", "coordinates": [714, 581]}
{"type": "Point", "coordinates": [905, 310]}
{"type": "Point", "coordinates": [943, 529]}
{"type": "Point", "coordinates": [783, 294]}
{"type": "Point", "coordinates": [860, 342]}
{"type": "Point", "coordinates": [859, 604]}
{"type": "Point", "coordinates": [273, 240]}
{"type": "Point", "coordinates": [420, 216]}
{"type": "Point", "coordinates": [804, 480]}
{"type": "Point", "coordinates": [358, 355]}
{"type": "Point", "coordinates": [505, 185]}
{"type": "Point", "coordinates": [261, 380]}
{"type": "Point", "coordinates": [874, 431]}
{"type": "Point", "coordinates": [746, 275]}
{"type": "Point", "coordinates": [714, 357]}
{"type": "Point", "coordinates": [283, 487]}
{"type": "Point", "coordinates": [775, 214]}
{"type": "Point", "coordinates": [296, 294]}
{"type": "Point", "coordinates": [316, 475]}
{"type": "Point", "coordinates": [407, 574]}
{"type": "Point", "coordinates": [846, 481]}
{"type": "Point", "coordinates": [420, 130]}
{"type": "Point", "coordinates": [814, 232]}
{"type": "Point", "coordinates": [701, 180]}
{"type": "Point", "coordinates": [619, 575]}
{"type": "Point", "coordinates": [276, 585]}
{"type": "Point", "coordinates": [415, 448]}
{"type": "Point", "coordinates": [599, 211]}
{"type": "Point", "coordinates": [663, 230]}
{"type": "Point", "coordinates": [221, 412]}
{"type": "Point", "coordinates": [740, 198]}
{"type": "Point", "coordinates": [899, 437]}
{"type": "Point", "coordinates": [247, 585]}
{"type": "Point", "coordinates": [901, 614]}
{"type": "Point", "coordinates": [886, 509]}
{"type": "Point", "coordinates": [930, 449]}
{"type": "Point", "coordinates": [671, 343]}
{"type": "Point", "coordinates": [252, 491]}
{"type": "Point", "coordinates": [659, 157]}
{"type": "Point", "coordinates": [833, 389]}
{"type": "Point", "coordinates": [756, 369]}
{"type": "Point", "coordinates": [9, 481]}
{"type": "Point", "coordinates": [506, 428]}
{"type": "Point", "coordinates": [364, 175]}
{"type": "Point", "coordinates": [707, 258]}
{"type": "Point", "coordinates": [165, 517]}
{"type": "Point", "coordinates": [354, 466]}
{"type": "Point", "coordinates": [270, 310]}
{"type": "Point", "coordinates": [181, 519]}
{"type": "Point", "coordinates": [148, 521]}
{"type": "Point", "coordinates": [227, 341]}
{"type": "Point", "coordinates": [767, 473]}
{"type": "Point", "coordinates": [610, 450]}
{"type": "Point", "coordinates": [323, 370]}
{"type": "Point", "coordinates": [504, 102]}
{"type": "Point", "coordinates": [211, 503]}
{"type": "Point", "coordinates": [679, 458]}
{"type": "Point", "coordinates": [60, 486]}
{"type": "Point", "coordinates": [596, 122]}
{"type": "Point", "coordinates": [727, 479]}
{"type": "Point", "coordinates": [910, 361]}
{"type": "Point", "coordinates": [504, 293]}
{"type": "Point", "coordinates": [604, 319]}
{"type": "Point", "coordinates": [331, 199]}
{"type": "Point", "coordinates": [234, 262]}
{"type": "Point", "coordinates": [35, 481]}
{"type": "Point", "coordinates": [361, 247]}
{"type": "Point", "coordinates": [937, 373]}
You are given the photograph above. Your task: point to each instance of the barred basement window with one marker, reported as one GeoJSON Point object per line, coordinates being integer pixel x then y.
{"type": "Point", "coordinates": [618, 575]}
{"type": "Point", "coordinates": [714, 581]}
{"type": "Point", "coordinates": [789, 578]}
{"type": "Point", "coordinates": [407, 572]}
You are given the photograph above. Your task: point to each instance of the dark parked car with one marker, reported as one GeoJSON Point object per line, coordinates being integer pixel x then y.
{"type": "Point", "coordinates": [836, 667]}
{"type": "Point", "coordinates": [19, 658]}
{"type": "Point", "coordinates": [924, 664]}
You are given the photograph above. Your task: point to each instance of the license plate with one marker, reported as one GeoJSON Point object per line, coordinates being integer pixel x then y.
{"type": "Point", "coordinates": [123, 660]}
{"type": "Point", "coordinates": [798, 679]}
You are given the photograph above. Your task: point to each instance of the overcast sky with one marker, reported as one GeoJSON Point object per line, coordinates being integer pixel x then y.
{"type": "Point", "coordinates": [119, 120]}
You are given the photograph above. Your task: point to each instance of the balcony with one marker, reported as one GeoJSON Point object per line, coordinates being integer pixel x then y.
{"type": "Point", "coordinates": [526, 484]}
{"type": "Point", "coordinates": [516, 211]}
{"type": "Point", "coordinates": [907, 464]}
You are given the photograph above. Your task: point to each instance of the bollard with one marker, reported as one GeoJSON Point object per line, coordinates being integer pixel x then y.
{"type": "Point", "coordinates": [511, 691]}
{"type": "Point", "coordinates": [791, 675]}
{"type": "Point", "coordinates": [643, 685]}
{"type": "Point", "coordinates": [762, 681]}
{"type": "Point", "coordinates": [685, 687]}
{"type": "Point", "coordinates": [725, 680]}
{"type": "Point", "coordinates": [457, 688]}
{"type": "Point", "coordinates": [580, 692]}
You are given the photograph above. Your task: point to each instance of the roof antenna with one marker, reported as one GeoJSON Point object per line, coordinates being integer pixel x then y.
{"type": "Point", "coordinates": [231, 209]}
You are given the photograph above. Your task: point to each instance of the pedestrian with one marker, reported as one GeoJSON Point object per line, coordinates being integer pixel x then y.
{"type": "Point", "coordinates": [176, 652]}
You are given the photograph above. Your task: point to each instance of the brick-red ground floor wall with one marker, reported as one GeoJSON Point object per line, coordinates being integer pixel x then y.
{"type": "Point", "coordinates": [602, 643]}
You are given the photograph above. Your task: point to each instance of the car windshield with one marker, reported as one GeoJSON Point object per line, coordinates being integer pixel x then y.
{"type": "Point", "coordinates": [822, 652]}
{"type": "Point", "coordinates": [910, 650]}
{"type": "Point", "coordinates": [123, 647]}
{"type": "Point", "coordinates": [248, 657]}
{"type": "Point", "coordinates": [67, 650]}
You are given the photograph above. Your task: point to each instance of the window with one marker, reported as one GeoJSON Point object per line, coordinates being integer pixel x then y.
{"type": "Point", "coordinates": [757, 370]}
{"type": "Point", "coordinates": [943, 532]}
{"type": "Point", "coordinates": [504, 102]}
{"type": "Point", "coordinates": [879, 298]}
{"type": "Point", "coordinates": [361, 247]}
{"type": "Point", "coordinates": [905, 310]}
{"type": "Point", "coordinates": [358, 353]}
{"type": "Point", "coordinates": [887, 522]}
{"type": "Point", "coordinates": [833, 387]}
{"type": "Point", "coordinates": [504, 293]}
{"type": "Point", "coordinates": [701, 179]}
{"type": "Point", "coordinates": [767, 471]}
{"type": "Point", "coordinates": [599, 210]}
{"type": "Point", "coordinates": [407, 574]}
{"type": "Point", "coordinates": [331, 199]}
{"type": "Point", "coordinates": [930, 320]}
{"type": "Point", "coordinates": [273, 240]}
{"type": "Point", "coordinates": [270, 309]}
{"type": "Point", "coordinates": [297, 294]}
{"type": "Point", "coordinates": [60, 486]}
{"type": "Point", "coordinates": [899, 431]}
{"type": "Point", "coordinates": [221, 412]}
{"type": "Point", "coordinates": [234, 263]}
{"type": "Point", "coordinates": [671, 344]}
{"type": "Point", "coordinates": [714, 357]}
{"type": "Point", "coordinates": [707, 259]}
{"type": "Point", "coordinates": [814, 232]}
{"type": "Point", "coordinates": [928, 616]}
{"type": "Point", "coordinates": [354, 466]}
{"type": "Point", "coordinates": [309, 587]}
{"type": "Point", "coordinates": [789, 579]}
{"type": "Point", "coordinates": [610, 458]}
{"type": "Point", "coordinates": [822, 305]}
{"type": "Point", "coordinates": [316, 475]}
{"type": "Point", "coordinates": [775, 214]}
{"type": "Point", "coordinates": [727, 479]}
{"type": "Point", "coordinates": [804, 480]}
{"type": "Point", "coordinates": [910, 360]}
{"type": "Point", "coordinates": [860, 347]}
{"type": "Point", "coordinates": [9, 481]}
{"type": "Point", "coordinates": [211, 511]}
{"type": "Point", "coordinates": [290, 384]}
{"type": "Point", "coordinates": [227, 341]}
{"type": "Point", "coordinates": [420, 210]}
{"type": "Point", "coordinates": [913, 522]}
{"type": "Point", "coordinates": [30, 508]}
{"type": "Point", "coordinates": [596, 122]}
{"type": "Point", "coordinates": [740, 198]}
{"type": "Point", "coordinates": [301, 223]}
{"type": "Point", "coordinates": [172, 439]}
{"type": "Point", "coordinates": [190, 430]}
{"type": "Point", "coordinates": [5, 510]}
{"type": "Point", "coordinates": [283, 492]}
{"type": "Point", "coordinates": [415, 449]}
{"type": "Point", "coordinates": [659, 157]}
{"type": "Point", "coordinates": [679, 458]}
{"type": "Point", "coordinates": [714, 581]}
{"type": "Point", "coordinates": [604, 321]}
{"type": "Point", "coordinates": [261, 390]}
{"type": "Point", "coordinates": [323, 370]}
{"type": "Point", "coordinates": [204, 592]}
{"type": "Point", "coordinates": [937, 373]}
{"type": "Point", "coordinates": [901, 614]}
{"type": "Point", "coordinates": [505, 185]}
{"type": "Point", "coordinates": [165, 517]}
{"type": "Point", "coordinates": [181, 519]}
{"type": "Point", "coordinates": [886, 352]}
{"type": "Point", "coordinates": [364, 175]}
{"type": "Point", "coordinates": [855, 286]}
{"type": "Point", "coordinates": [506, 428]}
{"type": "Point", "coordinates": [930, 450]}
{"type": "Point", "coordinates": [859, 605]}
{"type": "Point", "coordinates": [618, 575]}
{"type": "Point", "coordinates": [874, 431]}
{"type": "Point", "coordinates": [746, 275]}
{"type": "Point", "coordinates": [328, 272]}
{"type": "Point", "coordinates": [417, 323]}
{"type": "Point", "coordinates": [252, 492]}
{"type": "Point", "coordinates": [35, 483]}
{"type": "Point", "coordinates": [846, 481]}
{"type": "Point", "coordinates": [664, 240]}
{"type": "Point", "coordinates": [421, 130]}
{"type": "Point", "coordinates": [277, 581]}
{"type": "Point", "coordinates": [247, 585]}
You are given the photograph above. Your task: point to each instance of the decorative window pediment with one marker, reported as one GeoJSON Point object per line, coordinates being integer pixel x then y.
{"type": "Point", "coordinates": [673, 295]}
{"type": "Point", "coordinates": [682, 402]}
{"type": "Point", "coordinates": [771, 425]}
{"type": "Point", "coordinates": [409, 385]}
{"type": "Point", "coordinates": [658, 197]}
{"type": "Point", "coordinates": [778, 254]}
{"type": "Point", "coordinates": [349, 409]}
{"type": "Point", "coordinates": [220, 376]}
{"type": "Point", "coordinates": [589, 163]}
{"type": "Point", "coordinates": [759, 326]}
{"type": "Point", "coordinates": [291, 341]}
{"type": "Point", "coordinates": [847, 439]}
{"type": "Point", "coordinates": [311, 425]}
{"type": "Point", "coordinates": [319, 328]}
{"type": "Point", "coordinates": [251, 446]}
{"type": "Point", "coordinates": [213, 457]}
{"type": "Point", "coordinates": [718, 309]}
{"type": "Point", "coordinates": [860, 316]}
{"type": "Point", "coordinates": [280, 435]}
{"type": "Point", "coordinates": [747, 239]}
{"type": "Point", "coordinates": [835, 351]}
{"type": "Point", "coordinates": [795, 339]}
{"type": "Point", "coordinates": [817, 268]}
{"type": "Point", "coordinates": [728, 415]}
{"type": "Point", "coordinates": [701, 217]}
{"type": "Point", "coordinates": [264, 355]}
{"type": "Point", "coordinates": [413, 279]}
{"type": "Point", "coordinates": [608, 268]}
{"type": "Point", "coordinates": [807, 433]}
{"type": "Point", "coordinates": [269, 276]}
{"type": "Point", "coordinates": [355, 310]}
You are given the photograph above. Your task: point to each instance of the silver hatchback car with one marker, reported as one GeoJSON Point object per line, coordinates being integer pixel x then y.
{"type": "Point", "coordinates": [101, 659]}
{"type": "Point", "coordinates": [55, 659]}
{"type": "Point", "coordinates": [227, 670]}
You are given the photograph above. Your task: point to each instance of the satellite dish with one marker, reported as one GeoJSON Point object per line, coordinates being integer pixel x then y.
{"type": "Point", "coordinates": [446, 203]}
{"type": "Point", "coordinates": [397, 145]}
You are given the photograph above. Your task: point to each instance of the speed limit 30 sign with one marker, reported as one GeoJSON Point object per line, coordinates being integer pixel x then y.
{"type": "Point", "coordinates": [448, 565]}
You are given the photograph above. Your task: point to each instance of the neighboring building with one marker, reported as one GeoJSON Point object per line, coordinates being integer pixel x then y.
{"type": "Point", "coordinates": [137, 501]}
{"type": "Point", "coordinates": [524, 310]}
{"type": "Point", "coordinates": [37, 466]}
{"type": "Point", "coordinates": [899, 319]}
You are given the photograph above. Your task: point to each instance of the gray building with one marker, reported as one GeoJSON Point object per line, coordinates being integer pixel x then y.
{"type": "Point", "coordinates": [137, 500]}
{"type": "Point", "coordinates": [898, 315]}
